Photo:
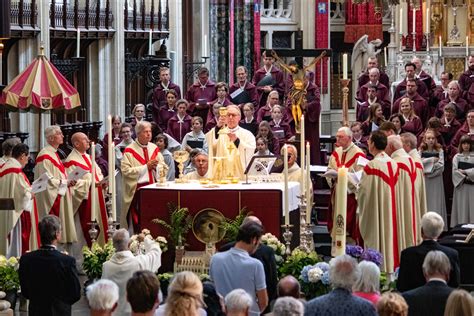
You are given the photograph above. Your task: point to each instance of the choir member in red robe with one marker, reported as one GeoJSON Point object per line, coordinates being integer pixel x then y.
{"type": "Point", "coordinates": [466, 129]}
{"type": "Point", "coordinates": [357, 137]}
{"type": "Point", "coordinates": [265, 112]}
{"type": "Point", "coordinates": [363, 108]}
{"type": "Point", "coordinates": [168, 111]}
{"type": "Point", "coordinates": [243, 91]}
{"type": "Point", "coordinates": [312, 110]}
{"type": "Point", "coordinates": [441, 92]}
{"type": "Point", "coordinates": [280, 128]}
{"type": "Point", "coordinates": [382, 92]}
{"type": "Point", "coordinates": [180, 124]}
{"type": "Point", "coordinates": [265, 131]}
{"type": "Point", "coordinates": [372, 62]}
{"type": "Point", "coordinates": [454, 98]}
{"type": "Point", "coordinates": [374, 120]}
{"type": "Point", "coordinates": [423, 76]}
{"type": "Point", "coordinates": [419, 104]}
{"type": "Point", "coordinates": [412, 121]}
{"type": "Point", "coordinates": [268, 78]}
{"type": "Point", "coordinates": [116, 137]}
{"type": "Point", "coordinates": [248, 121]}
{"type": "Point", "coordinates": [160, 92]}
{"type": "Point", "coordinates": [200, 94]}
{"type": "Point", "coordinates": [449, 125]}
{"type": "Point", "coordinates": [402, 88]}
{"type": "Point", "coordinates": [467, 78]}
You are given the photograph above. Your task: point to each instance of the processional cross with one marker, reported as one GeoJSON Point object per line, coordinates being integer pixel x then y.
{"type": "Point", "coordinates": [298, 90]}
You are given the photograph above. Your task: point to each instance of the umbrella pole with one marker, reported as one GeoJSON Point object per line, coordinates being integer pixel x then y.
{"type": "Point", "coordinates": [39, 132]}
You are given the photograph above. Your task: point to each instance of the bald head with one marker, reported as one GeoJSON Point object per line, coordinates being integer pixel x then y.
{"type": "Point", "coordinates": [252, 219]}
{"type": "Point", "coordinates": [80, 142]}
{"type": "Point", "coordinates": [394, 143]}
{"type": "Point", "coordinates": [288, 286]}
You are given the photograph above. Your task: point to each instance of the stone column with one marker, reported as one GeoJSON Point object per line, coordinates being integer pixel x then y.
{"type": "Point", "coordinates": [116, 104]}
{"type": "Point", "coordinates": [174, 44]}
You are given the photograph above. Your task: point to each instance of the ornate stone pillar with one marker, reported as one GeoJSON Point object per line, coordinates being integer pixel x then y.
{"type": "Point", "coordinates": [117, 58]}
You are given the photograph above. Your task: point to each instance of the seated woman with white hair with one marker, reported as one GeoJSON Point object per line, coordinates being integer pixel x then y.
{"type": "Point", "coordinates": [103, 297]}
{"type": "Point", "coordinates": [237, 302]}
{"type": "Point", "coordinates": [367, 285]}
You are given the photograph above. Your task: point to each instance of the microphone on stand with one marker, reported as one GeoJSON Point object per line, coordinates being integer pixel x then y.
{"type": "Point", "coordinates": [246, 174]}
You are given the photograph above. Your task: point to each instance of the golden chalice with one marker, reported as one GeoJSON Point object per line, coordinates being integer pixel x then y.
{"type": "Point", "coordinates": [180, 156]}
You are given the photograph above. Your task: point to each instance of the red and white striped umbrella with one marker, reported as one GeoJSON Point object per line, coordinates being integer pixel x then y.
{"type": "Point", "coordinates": [40, 86]}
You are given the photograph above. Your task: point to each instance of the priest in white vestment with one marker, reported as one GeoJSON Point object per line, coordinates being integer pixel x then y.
{"type": "Point", "coordinates": [242, 139]}
{"type": "Point", "coordinates": [141, 165]}
{"type": "Point", "coordinates": [18, 227]}
{"type": "Point", "coordinates": [56, 199]}
{"type": "Point", "coordinates": [81, 196]}
{"type": "Point", "coordinates": [7, 147]}
{"type": "Point", "coordinates": [377, 203]}
{"type": "Point", "coordinates": [201, 161]}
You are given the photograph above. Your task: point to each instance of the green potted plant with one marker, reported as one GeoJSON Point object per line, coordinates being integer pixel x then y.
{"type": "Point", "coordinates": [231, 226]}
{"type": "Point", "coordinates": [95, 257]}
{"type": "Point", "coordinates": [9, 278]}
{"type": "Point", "coordinates": [178, 227]}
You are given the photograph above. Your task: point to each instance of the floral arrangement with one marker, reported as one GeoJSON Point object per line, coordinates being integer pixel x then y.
{"type": "Point", "coordinates": [180, 222]}
{"type": "Point", "coordinates": [315, 279]}
{"type": "Point", "coordinates": [137, 246]}
{"type": "Point", "coordinates": [296, 261]}
{"type": "Point", "coordinates": [9, 278]}
{"type": "Point", "coordinates": [273, 242]}
{"type": "Point", "coordinates": [95, 257]}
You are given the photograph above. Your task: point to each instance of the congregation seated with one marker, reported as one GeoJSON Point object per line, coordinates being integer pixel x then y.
{"type": "Point", "coordinates": [238, 303]}
{"type": "Point", "coordinates": [367, 285]}
{"type": "Point", "coordinates": [343, 273]}
{"type": "Point", "coordinates": [102, 297]}
{"type": "Point", "coordinates": [288, 306]}
{"type": "Point", "coordinates": [142, 293]}
{"type": "Point", "coordinates": [430, 299]}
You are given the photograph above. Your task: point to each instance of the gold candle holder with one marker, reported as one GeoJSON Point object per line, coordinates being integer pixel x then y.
{"type": "Point", "coordinates": [287, 235]}
{"type": "Point", "coordinates": [345, 101]}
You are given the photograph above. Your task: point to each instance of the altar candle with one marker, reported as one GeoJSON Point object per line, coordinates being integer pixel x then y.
{"type": "Point", "coordinates": [285, 175]}
{"type": "Point", "coordinates": [302, 142]}
{"type": "Point", "coordinates": [414, 21]}
{"type": "Point", "coordinates": [150, 43]}
{"type": "Point", "coordinates": [78, 43]}
{"type": "Point", "coordinates": [344, 66]}
{"type": "Point", "coordinates": [341, 211]}
{"type": "Point", "coordinates": [427, 26]}
{"type": "Point", "coordinates": [93, 188]}
{"type": "Point", "coordinates": [385, 56]}
{"type": "Point", "coordinates": [440, 46]}
{"type": "Point", "coordinates": [467, 46]}
{"type": "Point", "coordinates": [204, 49]}
{"type": "Point", "coordinates": [111, 157]}
{"type": "Point", "coordinates": [308, 185]}
{"type": "Point", "coordinates": [401, 20]}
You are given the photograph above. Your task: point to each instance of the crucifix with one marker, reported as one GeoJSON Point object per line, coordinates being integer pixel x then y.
{"type": "Point", "coordinates": [298, 71]}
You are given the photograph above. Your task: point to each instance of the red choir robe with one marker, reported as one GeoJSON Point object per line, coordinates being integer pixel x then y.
{"type": "Point", "coordinates": [281, 130]}
{"type": "Point", "coordinates": [383, 97]}
{"type": "Point", "coordinates": [210, 114]}
{"type": "Point", "coordinates": [364, 78]}
{"type": "Point", "coordinates": [363, 110]}
{"type": "Point", "coordinates": [347, 158]}
{"type": "Point", "coordinates": [51, 201]}
{"type": "Point", "coordinates": [197, 92]}
{"type": "Point", "coordinates": [250, 92]}
{"type": "Point", "coordinates": [251, 126]}
{"type": "Point", "coordinates": [439, 94]}
{"type": "Point", "coordinates": [81, 195]}
{"type": "Point", "coordinates": [135, 174]}
{"type": "Point", "coordinates": [407, 220]}
{"type": "Point", "coordinates": [159, 97]}
{"type": "Point", "coordinates": [420, 106]}
{"type": "Point", "coordinates": [15, 185]}
{"type": "Point", "coordinates": [464, 130]}
{"type": "Point", "coordinates": [428, 81]}
{"type": "Point", "coordinates": [311, 122]}
{"type": "Point", "coordinates": [378, 209]}
{"type": "Point", "coordinates": [164, 116]}
{"type": "Point", "coordinates": [414, 126]}
{"type": "Point", "coordinates": [179, 128]}
{"type": "Point", "coordinates": [462, 107]}
{"type": "Point", "coordinates": [465, 80]}
{"type": "Point", "coordinates": [279, 83]}
{"type": "Point", "coordinates": [448, 130]}
{"type": "Point", "coordinates": [401, 90]}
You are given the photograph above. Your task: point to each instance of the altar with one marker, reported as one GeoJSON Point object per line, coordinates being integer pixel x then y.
{"type": "Point", "coordinates": [264, 200]}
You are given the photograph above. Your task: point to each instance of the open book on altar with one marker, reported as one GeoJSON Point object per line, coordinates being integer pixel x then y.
{"type": "Point", "coordinates": [260, 165]}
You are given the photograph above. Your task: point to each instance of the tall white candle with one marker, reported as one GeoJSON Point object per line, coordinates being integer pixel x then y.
{"type": "Point", "coordinates": [428, 17]}
{"type": "Point", "coordinates": [341, 212]}
{"type": "Point", "coordinates": [401, 20]}
{"type": "Point", "coordinates": [150, 43]}
{"type": "Point", "coordinates": [467, 46]}
{"type": "Point", "coordinates": [385, 56]}
{"type": "Point", "coordinates": [204, 46]}
{"type": "Point", "coordinates": [309, 193]}
{"type": "Point", "coordinates": [440, 46]}
{"type": "Point", "coordinates": [285, 179]}
{"type": "Point", "coordinates": [93, 193]}
{"type": "Point", "coordinates": [78, 43]}
{"type": "Point", "coordinates": [110, 153]}
{"type": "Point", "coordinates": [302, 142]}
{"type": "Point", "coordinates": [414, 21]}
{"type": "Point", "coordinates": [344, 66]}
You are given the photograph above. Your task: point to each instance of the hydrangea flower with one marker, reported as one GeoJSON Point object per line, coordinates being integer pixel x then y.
{"type": "Point", "coordinates": [315, 274]}
{"type": "Point", "coordinates": [323, 266]}
{"type": "Point", "coordinates": [304, 273]}
{"type": "Point", "coordinates": [354, 251]}
{"type": "Point", "coordinates": [325, 278]}
{"type": "Point", "coordinates": [372, 255]}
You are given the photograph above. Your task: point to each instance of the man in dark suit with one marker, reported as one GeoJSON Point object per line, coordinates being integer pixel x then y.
{"type": "Point", "coordinates": [410, 275]}
{"type": "Point", "coordinates": [430, 299]}
{"type": "Point", "coordinates": [266, 255]}
{"type": "Point", "coordinates": [49, 278]}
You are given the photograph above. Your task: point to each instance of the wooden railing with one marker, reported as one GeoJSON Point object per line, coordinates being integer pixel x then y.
{"type": "Point", "coordinates": [93, 14]}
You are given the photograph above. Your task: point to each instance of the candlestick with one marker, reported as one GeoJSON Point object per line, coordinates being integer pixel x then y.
{"type": "Point", "coordinates": [287, 237]}
{"type": "Point", "coordinates": [413, 20]}
{"type": "Point", "coordinates": [339, 230]}
{"type": "Point", "coordinates": [345, 101]}
{"type": "Point", "coordinates": [309, 194]}
{"type": "Point", "coordinates": [385, 56]}
{"type": "Point", "coordinates": [302, 142]}
{"type": "Point", "coordinates": [204, 50]}
{"type": "Point", "coordinates": [285, 174]}
{"type": "Point", "coordinates": [401, 20]}
{"type": "Point", "coordinates": [150, 43]}
{"type": "Point", "coordinates": [93, 192]}
{"type": "Point", "coordinates": [78, 43]}
{"type": "Point", "coordinates": [344, 66]}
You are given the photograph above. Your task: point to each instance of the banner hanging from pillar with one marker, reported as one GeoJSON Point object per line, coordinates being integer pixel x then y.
{"type": "Point", "coordinates": [362, 19]}
{"type": "Point", "coordinates": [322, 41]}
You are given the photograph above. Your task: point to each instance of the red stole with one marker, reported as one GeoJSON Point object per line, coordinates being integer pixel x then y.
{"type": "Point", "coordinates": [57, 202]}
{"type": "Point", "coordinates": [412, 174]}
